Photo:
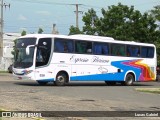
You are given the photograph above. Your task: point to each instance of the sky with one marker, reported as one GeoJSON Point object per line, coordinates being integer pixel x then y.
{"type": "Point", "coordinates": [30, 15]}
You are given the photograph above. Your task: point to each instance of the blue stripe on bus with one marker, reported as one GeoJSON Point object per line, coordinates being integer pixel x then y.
{"type": "Point", "coordinates": [118, 76]}
{"type": "Point", "coordinates": [123, 66]}
{"type": "Point", "coordinates": [46, 80]}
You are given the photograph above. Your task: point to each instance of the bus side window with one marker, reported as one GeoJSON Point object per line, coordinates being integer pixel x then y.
{"type": "Point", "coordinates": [100, 48]}
{"type": "Point", "coordinates": [83, 47]}
{"type": "Point", "coordinates": [70, 46]}
{"type": "Point", "coordinates": [80, 48]}
{"type": "Point", "coordinates": [122, 50]}
{"type": "Point", "coordinates": [59, 46]}
{"type": "Point", "coordinates": [133, 51]}
{"type": "Point", "coordinates": [105, 49]}
{"type": "Point", "coordinates": [89, 48]}
{"type": "Point", "coordinates": [129, 51]}
{"type": "Point", "coordinates": [114, 51]}
{"type": "Point", "coordinates": [43, 51]}
{"type": "Point", "coordinates": [144, 52]}
{"type": "Point", "coordinates": [63, 46]}
{"type": "Point", "coordinates": [97, 49]}
{"type": "Point", "coordinates": [118, 50]}
{"type": "Point", "coordinates": [150, 53]}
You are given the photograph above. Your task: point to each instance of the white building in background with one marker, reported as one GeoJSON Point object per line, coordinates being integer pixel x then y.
{"type": "Point", "coordinates": [8, 43]}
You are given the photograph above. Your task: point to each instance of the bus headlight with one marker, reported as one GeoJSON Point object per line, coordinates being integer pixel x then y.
{"type": "Point", "coordinates": [27, 72]}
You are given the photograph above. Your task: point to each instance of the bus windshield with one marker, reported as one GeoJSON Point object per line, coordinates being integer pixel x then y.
{"type": "Point", "coordinates": [21, 59]}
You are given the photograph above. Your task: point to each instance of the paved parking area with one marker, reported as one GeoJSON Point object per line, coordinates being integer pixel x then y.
{"type": "Point", "coordinates": [82, 96]}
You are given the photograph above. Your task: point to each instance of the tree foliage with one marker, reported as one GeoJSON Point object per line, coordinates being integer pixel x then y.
{"type": "Point", "coordinates": [13, 52]}
{"type": "Point", "coordinates": [40, 31]}
{"type": "Point", "coordinates": [124, 23]}
{"type": "Point", "coordinates": [155, 12]}
{"type": "Point", "coordinates": [23, 33]}
{"type": "Point", "coordinates": [90, 19]}
{"type": "Point", "coordinates": [74, 30]}
{"type": "Point", "coordinates": [120, 22]}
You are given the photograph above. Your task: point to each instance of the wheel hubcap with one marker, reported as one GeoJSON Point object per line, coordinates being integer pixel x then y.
{"type": "Point", "coordinates": [60, 79]}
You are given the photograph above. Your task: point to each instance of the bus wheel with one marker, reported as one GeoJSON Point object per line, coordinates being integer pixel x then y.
{"type": "Point", "coordinates": [60, 79]}
{"type": "Point", "coordinates": [110, 83]}
{"type": "Point", "coordinates": [129, 80]}
{"type": "Point", "coordinates": [42, 83]}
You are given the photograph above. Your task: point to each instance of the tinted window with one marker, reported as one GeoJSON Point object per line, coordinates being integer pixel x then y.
{"type": "Point", "coordinates": [118, 50]}
{"type": "Point", "coordinates": [43, 51]}
{"type": "Point", "coordinates": [100, 48]}
{"type": "Point", "coordinates": [21, 59]}
{"type": "Point", "coordinates": [83, 47]}
{"type": "Point", "coordinates": [63, 45]}
{"type": "Point", "coordinates": [133, 51]}
{"type": "Point", "coordinates": [147, 52]}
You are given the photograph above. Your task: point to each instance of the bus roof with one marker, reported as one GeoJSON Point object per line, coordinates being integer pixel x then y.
{"type": "Point", "coordinates": [90, 37]}
{"type": "Point", "coordinates": [106, 39]}
{"type": "Point", "coordinates": [44, 36]}
{"type": "Point", "coordinates": [87, 37]}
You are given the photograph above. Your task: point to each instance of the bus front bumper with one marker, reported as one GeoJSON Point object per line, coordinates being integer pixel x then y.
{"type": "Point", "coordinates": [23, 77]}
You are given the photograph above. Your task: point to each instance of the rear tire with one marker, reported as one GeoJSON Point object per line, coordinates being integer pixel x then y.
{"type": "Point", "coordinates": [129, 80]}
{"type": "Point", "coordinates": [61, 79]}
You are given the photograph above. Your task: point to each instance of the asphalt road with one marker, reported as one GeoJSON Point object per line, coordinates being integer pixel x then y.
{"type": "Point", "coordinates": [81, 96]}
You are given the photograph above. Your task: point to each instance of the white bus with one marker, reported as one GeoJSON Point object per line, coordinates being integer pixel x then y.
{"type": "Point", "coordinates": [61, 59]}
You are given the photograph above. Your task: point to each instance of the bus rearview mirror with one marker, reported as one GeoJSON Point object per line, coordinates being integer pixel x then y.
{"type": "Point", "coordinates": [27, 49]}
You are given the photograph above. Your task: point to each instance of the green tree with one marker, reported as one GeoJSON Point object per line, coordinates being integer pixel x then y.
{"type": "Point", "coordinates": [90, 20]}
{"type": "Point", "coordinates": [40, 31]}
{"type": "Point", "coordinates": [124, 23]}
{"type": "Point", "coordinates": [75, 30]}
{"type": "Point", "coordinates": [155, 12]}
{"type": "Point", "coordinates": [14, 48]}
{"type": "Point", "coordinates": [23, 33]}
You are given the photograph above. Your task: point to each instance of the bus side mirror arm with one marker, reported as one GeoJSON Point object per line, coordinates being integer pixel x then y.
{"type": "Point", "coordinates": [27, 48]}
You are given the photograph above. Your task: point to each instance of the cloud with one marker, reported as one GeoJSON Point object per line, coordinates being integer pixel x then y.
{"type": "Point", "coordinates": [44, 13]}
{"type": "Point", "coordinates": [22, 17]}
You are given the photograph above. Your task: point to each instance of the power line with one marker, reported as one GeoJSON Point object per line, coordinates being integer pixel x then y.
{"type": "Point", "coordinates": [42, 2]}
{"type": "Point", "coordinates": [146, 3]}
{"type": "Point", "coordinates": [88, 8]}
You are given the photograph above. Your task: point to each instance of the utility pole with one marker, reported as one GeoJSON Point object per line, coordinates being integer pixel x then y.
{"type": "Point", "coordinates": [2, 5]}
{"type": "Point", "coordinates": [77, 11]}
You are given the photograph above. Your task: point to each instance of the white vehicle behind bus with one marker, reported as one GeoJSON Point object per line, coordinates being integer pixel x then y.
{"type": "Point", "coordinates": [61, 59]}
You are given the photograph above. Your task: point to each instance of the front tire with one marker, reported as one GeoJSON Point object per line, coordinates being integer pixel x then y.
{"type": "Point", "coordinates": [61, 79]}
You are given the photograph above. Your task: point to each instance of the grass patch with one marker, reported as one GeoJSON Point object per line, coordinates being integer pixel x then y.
{"type": "Point", "coordinates": [1, 111]}
{"type": "Point", "coordinates": [3, 71]}
{"type": "Point", "coordinates": [149, 90]}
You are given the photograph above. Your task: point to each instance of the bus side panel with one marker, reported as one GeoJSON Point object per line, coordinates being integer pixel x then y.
{"type": "Point", "coordinates": [61, 62]}
{"type": "Point", "coordinates": [137, 66]}
{"type": "Point", "coordinates": [82, 67]}
{"type": "Point", "coordinates": [44, 73]}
